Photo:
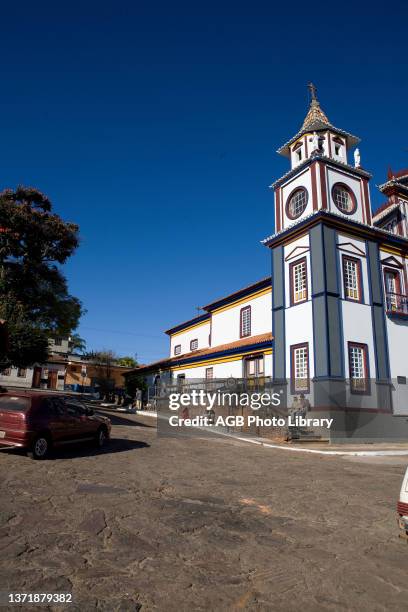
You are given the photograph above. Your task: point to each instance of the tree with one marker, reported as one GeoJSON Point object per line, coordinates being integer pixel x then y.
{"type": "Point", "coordinates": [34, 297]}
{"type": "Point", "coordinates": [133, 382]}
{"type": "Point", "coordinates": [77, 343]}
{"type": "Point", "coordinates": [127, 361]}
{"type": "Point", "coordinates": [103, 361]}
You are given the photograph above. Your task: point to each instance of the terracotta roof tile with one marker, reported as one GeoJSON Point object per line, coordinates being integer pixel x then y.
{"type": "Point", "coordinates": [225, 347]}
{"type": "Point", "coordinates": [211, 350]}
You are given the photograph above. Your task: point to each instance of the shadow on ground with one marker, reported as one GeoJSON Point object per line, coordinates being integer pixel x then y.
{"type": "Point", "coordinates": [78, 450]}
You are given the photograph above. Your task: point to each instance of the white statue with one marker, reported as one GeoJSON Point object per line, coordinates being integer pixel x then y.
{"type": "Point", "coordinates": [357, 159]}
{"type": "Point", "coordinates": [315, 142]}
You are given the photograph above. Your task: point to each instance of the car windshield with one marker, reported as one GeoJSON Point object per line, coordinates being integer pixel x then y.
{"type": "Point", "coordinates": [14, 402]}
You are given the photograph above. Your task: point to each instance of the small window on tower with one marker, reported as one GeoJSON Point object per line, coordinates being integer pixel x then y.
{"type": "Point", "coordinates": [337, 149]}
{"type": "Point", "coordinates": [358, 367]}
{"type": "Point", "coordinates": [344, 198]}
{"type": "Point", "coordinates": [298, 281]}
{"type": "Point", "coordinates": [299, 155]}
{"type": "Point", "coordinates": [296, 203]}
{"type": "Point", "coordinates": [352, 279]}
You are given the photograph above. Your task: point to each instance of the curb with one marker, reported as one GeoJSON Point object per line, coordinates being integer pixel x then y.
{"type": "Point", "coordinates": [384, 453]}
{"type": "Point", "coordinates": [379, 453]}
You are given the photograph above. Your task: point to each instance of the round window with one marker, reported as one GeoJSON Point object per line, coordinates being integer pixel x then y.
{"type": "Point", "coordinates": [296, 203]}
{"type": "Point", "coordinates": [344, 198]}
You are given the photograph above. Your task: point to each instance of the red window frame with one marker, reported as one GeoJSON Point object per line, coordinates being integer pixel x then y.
{"type": "Point", "coordinates": [366, 389]}
{"type": "Point", "coordinates": [209, 373]}
{"type": "Point", "coordinates": [289, 199]}
{"type": "Point", "coordinates": [241, 322]}
{"type": "Point", "coordinates": [177, 349]}
{"type": "Point", "coordinates": [357, 261]}
{"type": "Point", "coordinates": [191, 344]}
{"type": "Point", "coordinates": [397, 274]}
{"type": "Point", "coordinates": [258, 360]}
{"type": "Point", "coordinates": [351, 194]}
{"type": "Point", "coordinates": [292, 281]}
{"type": "Point", "coordinates": [293, 379]}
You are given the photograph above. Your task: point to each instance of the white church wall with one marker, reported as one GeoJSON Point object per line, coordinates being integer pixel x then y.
{"type": "Point", "coordinates": [301, 180]}
{"type": "Point", "coordinates": [200, 332]}
{"type": "Point", "coordinates": [299, 329]}
{"type": "Point", "coordinates": [397, 331]}
{"type": "Point", "coordinates": [234, 367]}
{"type": "Point", "coordinates": [226, 322]}
{"type": "Point", "coordinates": [333, 177]}
{"type": "Point", "coordinates": [358, 327]}
{"type": "Point", "coordinates": [220, 370]}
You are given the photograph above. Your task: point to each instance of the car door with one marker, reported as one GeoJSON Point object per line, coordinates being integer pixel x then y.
{"type": "Point", "coordinates": [83, 426]}
{"type": "Point", "coordinates": [60, 422]}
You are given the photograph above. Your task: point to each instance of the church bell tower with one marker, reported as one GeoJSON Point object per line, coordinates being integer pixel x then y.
{"type": "Point", "coordinates": [321, 176]}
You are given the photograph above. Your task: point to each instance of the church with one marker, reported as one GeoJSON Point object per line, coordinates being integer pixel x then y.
{"type": "Point", "coordinates": [331, 321]}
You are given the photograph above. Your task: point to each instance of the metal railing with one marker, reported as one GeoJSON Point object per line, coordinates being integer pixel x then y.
{"type": "Point", "coordinates": [396, 303]}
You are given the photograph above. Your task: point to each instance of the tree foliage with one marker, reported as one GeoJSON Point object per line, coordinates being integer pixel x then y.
{"type": "Point", "coordinates": [34, 297]}
{"type": "Point", "coordinates": [77, 343]}
{"type": "Point", "coordinates": [126, 361]}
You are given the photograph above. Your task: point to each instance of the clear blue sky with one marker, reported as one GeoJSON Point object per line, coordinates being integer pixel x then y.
{"type": "Point", "coordinates": [154, 127]}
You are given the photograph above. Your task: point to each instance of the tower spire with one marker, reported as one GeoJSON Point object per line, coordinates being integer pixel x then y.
{"type": "Point", "coordinates": [315, 117]}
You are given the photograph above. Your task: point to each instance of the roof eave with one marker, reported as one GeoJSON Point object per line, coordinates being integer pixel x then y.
{"type": "Point", "coordinates": [328, 216]}
{"type": "Point", "coordinates": [352, 140]}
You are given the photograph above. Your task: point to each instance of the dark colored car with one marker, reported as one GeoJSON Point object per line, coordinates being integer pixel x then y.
{"type": "Point", "coordinates": [38, 421]}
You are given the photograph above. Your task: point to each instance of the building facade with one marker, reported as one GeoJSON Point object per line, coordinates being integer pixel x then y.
{"type": "Point", "coordinates": [65, 371]}
{"type": "Point", "coordinates": [332, 321]}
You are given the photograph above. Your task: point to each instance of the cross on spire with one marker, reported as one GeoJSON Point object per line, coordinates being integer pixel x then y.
{"type": "Point", "coordinates": [313, 90]}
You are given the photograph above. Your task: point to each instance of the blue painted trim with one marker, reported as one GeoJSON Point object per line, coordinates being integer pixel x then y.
{"type": "Point", "coordinates": [329, 293]}
{"type": "Point", "coordinates": [189, 323]}
{"type": "Point", "coordinates": [328, 361]}
{"type": "Point", "coordinates": [239, 295]}
{"type": "Point", "coordinates": [372, 303]}
{"type": "Point", "coordinates": [312, 296]}
{"type": "Point", "coordinates": [284, 310]}
{"type": "Point", "coordinates": [218, 354]}
{"type": "Point", "coordinates": [354, 227]}
{"type": "Point", "coordinates": [340, 307]}
{"type": "Point", "coordinates": [387, 352]}
{"type": "Point", "coordinates": [276, 309]}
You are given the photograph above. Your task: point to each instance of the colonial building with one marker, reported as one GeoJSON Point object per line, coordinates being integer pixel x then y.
{"type": "Point", "coordinates": [65, 371]}
{"type": "Point", "coordinates": [332, 321]}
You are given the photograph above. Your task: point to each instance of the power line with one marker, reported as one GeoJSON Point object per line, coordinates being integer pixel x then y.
{"type": "Point", "coordinates": [114, 331]}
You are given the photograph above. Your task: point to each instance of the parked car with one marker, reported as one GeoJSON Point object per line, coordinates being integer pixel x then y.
{"type": "Point", "coordinates": [402, 507]}
{"type": "Point", "coordinates": [39, 421]}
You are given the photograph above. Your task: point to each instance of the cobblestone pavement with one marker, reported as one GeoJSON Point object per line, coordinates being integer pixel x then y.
{"type": "Point", "coordinates": [202, 524]}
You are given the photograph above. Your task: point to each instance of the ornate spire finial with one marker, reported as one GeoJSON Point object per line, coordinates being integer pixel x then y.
{"type": "Point", "coordinates": [315, 117]}
{"type": "Point", "coordinates": [313, 90]}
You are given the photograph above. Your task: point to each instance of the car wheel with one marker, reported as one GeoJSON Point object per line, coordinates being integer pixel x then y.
{"type": "Point", "coordinates": [101, 437]}
{"type": "Point", "coordinates": [40, 447]}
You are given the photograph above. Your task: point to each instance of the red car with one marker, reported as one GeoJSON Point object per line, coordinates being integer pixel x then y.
{"type": "Point", "coordinates": [38, 421]}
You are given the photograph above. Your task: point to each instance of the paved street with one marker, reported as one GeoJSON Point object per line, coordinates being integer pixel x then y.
{"type": "Point", "coordinates": [202, 524]}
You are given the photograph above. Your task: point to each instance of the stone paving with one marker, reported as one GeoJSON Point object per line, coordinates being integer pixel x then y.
{"type": "Point", "coordinates": [202, 524]}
